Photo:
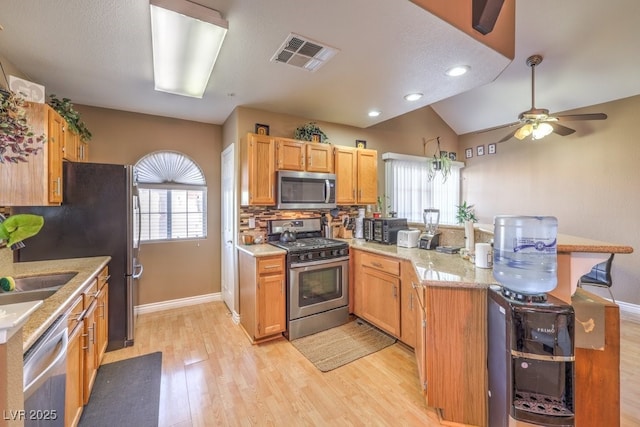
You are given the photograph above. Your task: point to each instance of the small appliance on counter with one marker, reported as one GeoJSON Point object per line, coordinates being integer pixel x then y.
{"type": "Point", "coordinates": [408, 238]}
{"type": "Point", "coordinates": [430, 239]}
{"type": "Point", "coordinates": [384, 230]}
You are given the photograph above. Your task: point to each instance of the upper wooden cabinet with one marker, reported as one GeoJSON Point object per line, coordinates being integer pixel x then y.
{"type": "Point", "coordinates": [38, 182]}
{"type": "Point", "coordinates": [74, 149]}
{"type": "Point", "coordinates": [297, 155]}
{"type": "Point", "coordinates": [356, 175]}
{"type": "Point", "coordinates": [257, 163]}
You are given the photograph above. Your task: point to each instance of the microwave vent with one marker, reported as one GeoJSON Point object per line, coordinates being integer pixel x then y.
{"type": "Point", "coordinates": [304, 53]}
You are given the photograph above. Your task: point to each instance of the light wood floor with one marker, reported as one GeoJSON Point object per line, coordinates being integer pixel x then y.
{"type": "Point", "coordinates": [213, 376]}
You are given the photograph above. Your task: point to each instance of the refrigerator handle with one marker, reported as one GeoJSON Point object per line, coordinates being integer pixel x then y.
{"type": "Point", "coordinates": [137, 271]}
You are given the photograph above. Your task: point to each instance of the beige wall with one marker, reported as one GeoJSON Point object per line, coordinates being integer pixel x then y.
{"type": "Point", "coordinates": [177, 269]}
{"type": "Point", "coordinates": [588, 180]}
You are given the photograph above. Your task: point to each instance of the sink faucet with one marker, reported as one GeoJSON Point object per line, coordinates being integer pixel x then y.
{"type": "Point", "coordinates": [17, 245]}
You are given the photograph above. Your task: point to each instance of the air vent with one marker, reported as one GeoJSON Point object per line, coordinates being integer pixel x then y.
{"type": "Point", "coordinates": [303, 53]}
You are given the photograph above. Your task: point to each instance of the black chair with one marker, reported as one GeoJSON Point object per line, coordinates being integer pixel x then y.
{"type": "Point", "coordinates": [600, 275]}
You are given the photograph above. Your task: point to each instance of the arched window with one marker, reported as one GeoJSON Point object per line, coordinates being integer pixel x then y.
{"type": "Point", "coordinates": [173, 197]}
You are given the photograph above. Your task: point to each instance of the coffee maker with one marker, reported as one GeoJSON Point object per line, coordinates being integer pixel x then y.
{"type": "Point", "coordinates": [430, 239]}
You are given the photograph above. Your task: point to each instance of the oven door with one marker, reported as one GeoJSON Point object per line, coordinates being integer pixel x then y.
{"type": "Point", "coordinates": [318, 286]}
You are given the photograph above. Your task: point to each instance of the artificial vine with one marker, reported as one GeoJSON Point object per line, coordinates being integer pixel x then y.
{"type": "Point", "coordinates": [17, 140]}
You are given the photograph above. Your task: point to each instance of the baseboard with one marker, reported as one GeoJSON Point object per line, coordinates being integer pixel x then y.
{"type": "Point", "coordinates": [632, 311]}
{"type": "Point", "coordinates": [177, 303]}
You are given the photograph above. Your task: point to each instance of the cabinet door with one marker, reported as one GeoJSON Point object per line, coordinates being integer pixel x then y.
{"type": "Point", "coordinates": [90, 366]}
{"type": "Point", "coordinates": [421, 336]}
{"type": "Point", "coordinates": [70, 144]}
{"type": "Point", "coordinates": [289, 154]}
{"type": "Point", "coordinates": [367, 176]}
{"type": "Point", "coordinates": [319, 157]}
{"type": "Point", "coordinates": [55, 129]}
{"type": "Point", "coordinates": [381, 299]}
{"type": "Point", "coordinates": [74, 400]}
{"type": "Point", "coordinates": [102, 323]}
{"type": "Point", "coordinates": [261, 153]}
{"type": "Point", "coordinates": [271, 305]}
{"type": "Point", "coordinates": [345, 163]}
{"type": "Point", "coordinates": [408, 312]}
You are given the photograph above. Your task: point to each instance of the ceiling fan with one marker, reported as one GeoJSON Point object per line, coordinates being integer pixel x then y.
{"type": "Point", "coordinates": [537, 122]}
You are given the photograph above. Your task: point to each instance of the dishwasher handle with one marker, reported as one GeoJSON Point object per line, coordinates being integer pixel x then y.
{"type": "Point", "coordinates": [62, 353]}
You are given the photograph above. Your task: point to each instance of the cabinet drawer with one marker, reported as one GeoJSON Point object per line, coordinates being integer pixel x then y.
{"type": "Point", "coordinates": [270, 265]}
{"type": "Point", "coordinates": [75, 314]}
{"type": "Point", "coordinates": [103, 277]}
{"type": "Point", "coordinates": [90, 292]}
{"type": "Point", "coordinates": [388, 265]}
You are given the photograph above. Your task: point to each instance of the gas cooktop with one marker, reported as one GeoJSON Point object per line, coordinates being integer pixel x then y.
{"type": "Point", "coordinates": [310, 243]}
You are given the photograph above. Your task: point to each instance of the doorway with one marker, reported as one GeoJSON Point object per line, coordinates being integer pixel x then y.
{"type": "Point", "coordinates": [229, 231]}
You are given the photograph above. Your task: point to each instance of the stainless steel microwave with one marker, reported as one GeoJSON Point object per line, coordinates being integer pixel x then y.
{"type": "Point", "coordinates": [305, 190]}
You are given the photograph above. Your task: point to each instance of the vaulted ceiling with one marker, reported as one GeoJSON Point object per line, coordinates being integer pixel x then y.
{"type": "Point", "coordinates": [99, 54]}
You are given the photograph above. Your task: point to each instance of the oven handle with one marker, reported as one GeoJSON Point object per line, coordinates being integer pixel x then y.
{"type": "Point", "coordinates": [324, 261]}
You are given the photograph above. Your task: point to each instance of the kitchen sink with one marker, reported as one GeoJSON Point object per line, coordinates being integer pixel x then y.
{"type": "Point", "coordinates": [16, 297]}
{"type": "Point", "coordinates": [34, 288]}
{"type": "Point", "coordinates": [32, 283]}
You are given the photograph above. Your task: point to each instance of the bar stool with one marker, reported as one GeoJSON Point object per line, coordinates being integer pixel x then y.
{"type": "Point", "coordinates": [600, 275]}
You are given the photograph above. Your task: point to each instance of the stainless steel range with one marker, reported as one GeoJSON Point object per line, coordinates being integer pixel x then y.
{"type": "Point", "coordinates": [317, 276]}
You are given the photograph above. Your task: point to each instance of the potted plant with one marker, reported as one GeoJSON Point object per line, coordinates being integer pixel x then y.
{"type": "Point", "coordinates": [65, 108]}
{"type": "Point", "coordinates": [381, 205]}
{"type": "Point", "coordinates": [17, 140]}
{"type": "Point", "coordinates": [440, 162]}
{"type": "Point", "coordinates": [310, 131]}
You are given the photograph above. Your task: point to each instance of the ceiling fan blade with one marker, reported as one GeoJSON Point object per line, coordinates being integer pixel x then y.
{"type": "Point", "coordinates": [572, 117]}
{"type": "Point", "coordinates": [509, 136]}
{"type": "Point", "coordinates": [561, 130]}
{"type": "Point", "coordinates": [508, 125]}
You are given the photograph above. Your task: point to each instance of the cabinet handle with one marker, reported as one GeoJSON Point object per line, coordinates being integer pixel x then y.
{"type": "Point", "coordinates": [309, 161]}
{"type": "Point", "coordinates": [102, 310]}
{"type": "Point", "coordinates": [376, 264]}
{"type": "Point", "coordinates": [395, 292]}
{"type": "Point", "coordinates": [411, 302]}
{"type": "Point", "coordinates": [269, 267]}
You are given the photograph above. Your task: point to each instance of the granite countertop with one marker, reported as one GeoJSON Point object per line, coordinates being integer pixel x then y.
{"type": "Point", "coordinates": [433, 268]}
{"type": "Point", "coordinates": [568, 244]}
{"type": "Point", "coordinates": [58, 303]}
{"type": "Point", "coordinates": [260, 250]}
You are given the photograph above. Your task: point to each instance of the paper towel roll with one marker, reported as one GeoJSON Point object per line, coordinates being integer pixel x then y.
{"type": "Point", "coordinates": [469, 236]}
{"type": "Point", "coordinates": [484, 257]}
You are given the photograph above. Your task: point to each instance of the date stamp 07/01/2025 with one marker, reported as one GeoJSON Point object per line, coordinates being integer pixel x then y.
{"type": "Point", "coordinates": [32, 415]}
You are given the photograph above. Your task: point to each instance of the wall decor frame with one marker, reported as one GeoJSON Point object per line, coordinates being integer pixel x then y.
{"type": "Point", "coordinates": [480, 150]}
{"type": "Point", "coordinates": [262, 129]}
{"type": "Point", "coordinates": [491, 148]}
{"type": "Point", "coordinates": [452, 156]}
{"type": "Point", "coordinates": [468, 153]}
{"type": "Point", "coordinates": [361, 143]}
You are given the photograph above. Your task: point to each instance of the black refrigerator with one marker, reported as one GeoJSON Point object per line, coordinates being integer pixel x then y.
{"type": "Point", "coordinates": [99, 215]}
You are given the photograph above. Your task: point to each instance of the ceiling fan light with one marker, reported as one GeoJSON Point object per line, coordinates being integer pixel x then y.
{"type": "Point", "coordinates": [524, 131]}
{"type": "Point", "coordinates": [542, 130]}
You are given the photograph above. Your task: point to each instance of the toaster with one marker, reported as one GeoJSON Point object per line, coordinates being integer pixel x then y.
{"type": "Point", "coordinates": [408, 238]}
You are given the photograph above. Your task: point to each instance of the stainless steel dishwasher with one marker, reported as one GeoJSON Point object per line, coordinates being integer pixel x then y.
{"type": "Point", "coordinates": [45, 372]}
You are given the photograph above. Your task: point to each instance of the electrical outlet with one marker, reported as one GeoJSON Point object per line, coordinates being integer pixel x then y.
{"type": "Point", "coordinates": [252, 222]}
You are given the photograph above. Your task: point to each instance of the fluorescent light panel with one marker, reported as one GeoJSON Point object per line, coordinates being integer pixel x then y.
{"type": "Point", "coordinates": [186, 41]}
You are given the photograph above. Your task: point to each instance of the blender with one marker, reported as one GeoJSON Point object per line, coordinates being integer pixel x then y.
{"type": "Point", "coordinates": [430, 239]}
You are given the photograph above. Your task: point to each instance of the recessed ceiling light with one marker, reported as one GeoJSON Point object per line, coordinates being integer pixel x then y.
{"type": "Point", "coordinates": [413, 96]}
{"type": "Point", "coordinates": [374, 113]}
{"type": "Point", "coordinates": [457, 70]}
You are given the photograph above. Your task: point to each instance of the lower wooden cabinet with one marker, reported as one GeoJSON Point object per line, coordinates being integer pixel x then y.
{"type": "Point", "coordinates": [409, 305]}
{"type": "Point", "coordinates": [74, 399]}
{"type": "Point", "coordinates": [87, 322]}
{"type": "Point", "coordinates": [262, 296]}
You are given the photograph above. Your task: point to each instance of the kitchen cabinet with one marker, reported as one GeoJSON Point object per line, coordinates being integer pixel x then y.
{"type": "Point", "coordinates": [356, 175]}
{"type": "Point", "coordinates": [70, 144]}
{"type": "Point", "coordinates": [297, 155]}
{"type": "Point", "coordinates": [38, 182]}
{"type": "Point", "coordinates": [262, 296]}
{"type": "Point", "coordinates": [74, 401]}
{"type": "Point", "coordinates": [90, 366]}
{"type": "Point", "coordinates": [377, 291]}
{"type": "Point", "coordinates": [409, 305]}
{"type": "Point", "coordinates": [257, 163]}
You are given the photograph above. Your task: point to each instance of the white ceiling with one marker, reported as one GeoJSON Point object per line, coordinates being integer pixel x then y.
{"type": "Point", "coordinates": [99, 54]}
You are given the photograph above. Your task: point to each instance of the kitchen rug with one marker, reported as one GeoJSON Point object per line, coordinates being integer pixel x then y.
{"type": "Point", "coordinates": [125, 393]}
{"type": "Point", "coordinates": [336, 347]}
